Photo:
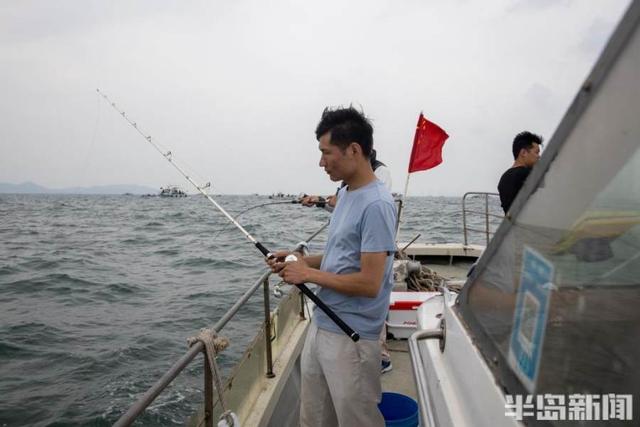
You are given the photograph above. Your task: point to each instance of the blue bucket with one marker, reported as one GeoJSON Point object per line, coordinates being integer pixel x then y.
{"type": "Point", "coordinates": [398, 410]}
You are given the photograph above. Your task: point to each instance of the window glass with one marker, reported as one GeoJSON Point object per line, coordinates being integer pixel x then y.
{"type": "Point", "coordinates": [591, 338]}
{"type": "Point", "coordinates": [559, 299]}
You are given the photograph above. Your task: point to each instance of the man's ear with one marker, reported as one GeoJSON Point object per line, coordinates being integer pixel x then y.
{"type": "Point", "coordinates": [355, 148]}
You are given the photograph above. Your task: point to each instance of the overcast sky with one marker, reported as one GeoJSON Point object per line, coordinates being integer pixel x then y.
{"type": "Point", "coordinates": [236, 88]}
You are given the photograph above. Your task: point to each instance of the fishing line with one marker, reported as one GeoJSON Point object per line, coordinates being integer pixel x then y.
{"type": "Point", "coordinates": [302, 287]}
{"type": "Point", "coordinates": [238, 215]}
{"type": "Point", "coordinates": [289, 202]}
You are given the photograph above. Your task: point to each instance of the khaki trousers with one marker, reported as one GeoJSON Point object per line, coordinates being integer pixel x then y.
{"type": "Point", "coordinates": [340, 381]}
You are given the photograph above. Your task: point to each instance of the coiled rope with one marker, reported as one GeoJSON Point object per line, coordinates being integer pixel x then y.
{"type": "Point", "coordinates": [425, 280]}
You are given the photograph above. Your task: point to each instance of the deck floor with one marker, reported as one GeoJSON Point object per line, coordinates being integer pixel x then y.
{"type": "Point", "coordinates": [400, 378]}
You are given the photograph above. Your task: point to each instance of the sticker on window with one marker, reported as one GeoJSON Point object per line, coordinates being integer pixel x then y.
{"type": "Point", "coordinates": [530, 317]}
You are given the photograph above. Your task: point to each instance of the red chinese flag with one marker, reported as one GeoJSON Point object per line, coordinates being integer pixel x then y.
{"type": "Point", "coordinates": [427, 146]}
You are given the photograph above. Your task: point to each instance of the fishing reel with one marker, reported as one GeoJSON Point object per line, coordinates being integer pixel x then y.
{"type": "Point", "coordinates": [303, 248]}
{"type": "Point", "coordinates": [277, 289]}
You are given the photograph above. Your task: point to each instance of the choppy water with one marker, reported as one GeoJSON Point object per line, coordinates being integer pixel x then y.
{"type": "Point", "coordinates": [99, 293]}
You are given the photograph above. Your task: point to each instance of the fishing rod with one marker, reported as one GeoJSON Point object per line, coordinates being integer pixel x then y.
{"type": "Point", "coordinates": [238, 215]}
{"type": "Point", "coordinates": [319, 203]}
{"type": "Point", "coordinates": [303, 288]}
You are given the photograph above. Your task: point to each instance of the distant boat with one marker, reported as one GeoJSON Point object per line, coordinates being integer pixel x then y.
{"type": "Point", "coordinates": [172, 191]}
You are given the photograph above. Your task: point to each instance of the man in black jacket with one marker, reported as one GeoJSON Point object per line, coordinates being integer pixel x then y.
{"type": "Point", "coordinates": [526, 153]}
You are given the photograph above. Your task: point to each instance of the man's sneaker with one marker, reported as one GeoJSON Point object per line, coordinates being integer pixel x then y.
{"type": "Point", "coordinates": [386, 366]}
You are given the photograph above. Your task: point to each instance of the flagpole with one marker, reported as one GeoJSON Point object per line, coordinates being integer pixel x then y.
{"type": "Point", "coordinates": [406, 187]}
{"type": "Point", "coordinates": [404, 205]}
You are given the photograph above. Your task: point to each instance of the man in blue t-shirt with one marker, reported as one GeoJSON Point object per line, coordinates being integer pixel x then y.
{"type": "Point", "coordinates": [340, 378]}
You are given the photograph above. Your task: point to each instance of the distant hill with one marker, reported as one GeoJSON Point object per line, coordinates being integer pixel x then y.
{"type": "Point", "coordinates": [32, 188]}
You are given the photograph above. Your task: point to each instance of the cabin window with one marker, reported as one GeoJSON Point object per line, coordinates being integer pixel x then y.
{"type": "Point", "coordinates": [557, 308]}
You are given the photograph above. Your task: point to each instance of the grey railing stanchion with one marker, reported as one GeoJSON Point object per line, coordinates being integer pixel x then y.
{"type": "Point", "coordinates": [464, 218]}
{"type": "Point", "coordinates": [486, 215]}
{"type": "Point", "coordinates": [145, 400]}
{"type": "Point", "coordinates": [399, 213]}
{"type": "Point", "coordinates": [267, 328]}
{"type": "Point", "coordinates": [427, 418]}
{"type": "Point", "coordinates": [208, 392]}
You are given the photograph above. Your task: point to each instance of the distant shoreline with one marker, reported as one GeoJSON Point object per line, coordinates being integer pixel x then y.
{"type": "Point", "coordinates": [126, 189]}
{"type": "Point", "coordinates": [33, 188]}
{"type": "Point", "coordinates": [106, 190]}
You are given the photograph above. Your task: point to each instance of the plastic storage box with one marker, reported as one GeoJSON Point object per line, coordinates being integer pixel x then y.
{"type": "Point", "coordinates": [402, 320]}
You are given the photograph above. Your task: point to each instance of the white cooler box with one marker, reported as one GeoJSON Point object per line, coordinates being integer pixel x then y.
{"type": "Point", "coordinates": [402, 320]}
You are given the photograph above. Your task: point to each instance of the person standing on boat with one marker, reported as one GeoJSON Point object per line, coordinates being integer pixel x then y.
{"type": "Point", "coordinates": [341, 378]}
{"type": "Point", "coordinates": [382, 173]}
{"type": "Point", "coordinates": [526, 153]}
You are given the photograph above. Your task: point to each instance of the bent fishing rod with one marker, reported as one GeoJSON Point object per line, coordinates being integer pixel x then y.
{"type": "Point", "coordinates": [303, 288]}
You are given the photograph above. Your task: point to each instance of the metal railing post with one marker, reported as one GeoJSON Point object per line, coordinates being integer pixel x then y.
{"type": "Point", "coordinates": [267, 328]}
{"type": "Point", "coordinates": [302, 317]}
{"type": "Point", "coordinates": [464, 218]}
{"type": "Point", "coordinates": [398, 213]}
{"type": "Point", "coordinates": [208, 392]}
{"type": "Point", "coordinates": [145, 400]}
{"type": "Point", "coordinates": [486, 215]}
{"type": "Point", "coordinates": [427, 415]}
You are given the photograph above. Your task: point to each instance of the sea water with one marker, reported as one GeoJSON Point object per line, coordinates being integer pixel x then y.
{"type": "Point", "coordinates": [98, 294]}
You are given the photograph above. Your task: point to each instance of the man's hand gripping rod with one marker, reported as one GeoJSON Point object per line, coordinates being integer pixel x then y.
{"type": "Point", "coordinates": [322, 306]}
{"type": "Point", "coordinates": [313, 297]}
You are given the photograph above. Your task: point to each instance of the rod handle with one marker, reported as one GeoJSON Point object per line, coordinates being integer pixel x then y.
{"type": "Point", "coordinates": [322, 306]}
{"type": "Point", "coordinates": [264, 250]}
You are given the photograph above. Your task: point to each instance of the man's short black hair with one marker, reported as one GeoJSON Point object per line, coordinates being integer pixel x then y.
{"type": "Point", "coordinates": [524, 140]}
{"type": "Point", "coordinates": [346, 125]}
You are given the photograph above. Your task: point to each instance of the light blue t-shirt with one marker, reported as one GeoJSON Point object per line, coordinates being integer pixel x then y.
{"type": "Point", "coordinates": [364, 220]}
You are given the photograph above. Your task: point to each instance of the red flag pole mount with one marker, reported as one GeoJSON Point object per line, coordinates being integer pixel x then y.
{"type": "Point", "coordinates": [415, 138]}
{"type": "Point", "coordinates": [404, 204]}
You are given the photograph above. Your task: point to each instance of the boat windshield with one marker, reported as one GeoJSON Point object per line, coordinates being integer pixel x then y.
{"type": "Point", "coordinates": [554, 308]}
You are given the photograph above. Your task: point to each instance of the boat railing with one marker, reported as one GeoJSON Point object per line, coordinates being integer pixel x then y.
{"type": "Point", "coordinates": [148, 397]}
{"type": "Point", "coordinates": [487, 230]}
{"type": "Point", "coordinates": [427, 415]}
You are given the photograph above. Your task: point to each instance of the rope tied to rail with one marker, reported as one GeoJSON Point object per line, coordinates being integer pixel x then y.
{"type": "Point", "coordinates": [213, 344]}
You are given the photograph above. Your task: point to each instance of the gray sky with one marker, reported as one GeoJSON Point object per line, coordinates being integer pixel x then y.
{"type": "Point", "coordinates": [235, 89]}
